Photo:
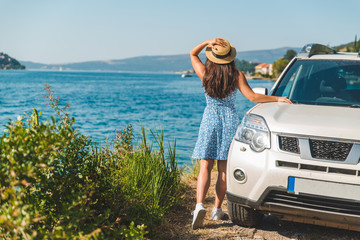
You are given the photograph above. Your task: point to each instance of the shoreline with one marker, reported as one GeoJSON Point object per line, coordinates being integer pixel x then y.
{"type": "Point", "coordinates": [260, 78]}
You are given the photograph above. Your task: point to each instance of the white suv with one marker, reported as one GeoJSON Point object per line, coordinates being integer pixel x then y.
{"type": "Point", "coordinates": [300, 161]}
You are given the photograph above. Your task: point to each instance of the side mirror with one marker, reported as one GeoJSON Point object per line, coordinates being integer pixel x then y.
{"type": "Point", "coordinates": [263, 91]}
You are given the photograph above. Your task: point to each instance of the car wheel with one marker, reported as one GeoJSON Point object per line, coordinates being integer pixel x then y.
{"type": "Point", "coordinates": [243, 216]}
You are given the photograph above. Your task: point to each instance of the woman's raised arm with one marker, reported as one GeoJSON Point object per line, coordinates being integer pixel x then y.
{"type": "Point", "coordinates": [198, 66]}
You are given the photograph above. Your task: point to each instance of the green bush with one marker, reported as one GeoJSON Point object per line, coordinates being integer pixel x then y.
{"type": "Point", "coordinates": [56, 184]}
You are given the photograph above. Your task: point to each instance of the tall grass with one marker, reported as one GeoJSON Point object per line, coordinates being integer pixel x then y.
{"type": "Point", "coordinates": [150, 175]}
{"type": "Point", "coordinates": [56, 184]}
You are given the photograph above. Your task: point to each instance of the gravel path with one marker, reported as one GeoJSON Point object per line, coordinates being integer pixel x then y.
{"type": "Point", "coordinates": [178, 224]}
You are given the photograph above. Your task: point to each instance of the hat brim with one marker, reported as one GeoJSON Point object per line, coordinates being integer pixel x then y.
{"type": "Point", "coordinates": [226, 60]}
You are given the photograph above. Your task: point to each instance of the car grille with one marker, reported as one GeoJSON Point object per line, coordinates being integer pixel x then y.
{"type": "Point", "coordinates": [317, 149]}
{"type": "Point", "coordinates": [289, 144]}
{"type": "Point", "coordinates": [312, 202]}
{"type": "Point", "coordinates": [329, 150]}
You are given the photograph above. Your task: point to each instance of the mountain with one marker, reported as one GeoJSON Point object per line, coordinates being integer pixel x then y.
{"type": "Point", "coordinates": [170, 63]}
{"type": "Point", "coordinates": [265, 56]}
{"type": "Point", "coordinates": [7, 62]}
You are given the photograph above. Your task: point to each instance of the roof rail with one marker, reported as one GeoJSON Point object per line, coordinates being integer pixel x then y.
{"type": "Point", "coordinates": [314, 48]}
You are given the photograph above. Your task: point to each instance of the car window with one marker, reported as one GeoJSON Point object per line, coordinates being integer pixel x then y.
{"type": "Point", "coordinates": [328, 82]}
{"type": "Point", "coordinates": [289, 85]}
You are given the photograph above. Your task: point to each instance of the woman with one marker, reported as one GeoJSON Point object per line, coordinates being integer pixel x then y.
{"type": "Point", "coordinates": [220, 79]}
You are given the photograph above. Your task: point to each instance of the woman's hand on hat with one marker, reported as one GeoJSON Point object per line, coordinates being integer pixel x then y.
{"type": "Point", "coordinates": [216, 41]}
{"type": "Point", "coordinates": [284, 99]}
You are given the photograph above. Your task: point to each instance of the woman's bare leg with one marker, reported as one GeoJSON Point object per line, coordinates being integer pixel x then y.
{"type": "Point", "coordinates": [221, 183]}
{"type": "Point", "coordinates": [203, 181]}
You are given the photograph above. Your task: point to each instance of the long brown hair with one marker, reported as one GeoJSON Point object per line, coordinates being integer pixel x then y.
{"type": "Point", "coordinates": [220, 79]}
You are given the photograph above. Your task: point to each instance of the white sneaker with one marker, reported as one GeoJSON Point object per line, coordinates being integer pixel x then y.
{"type": "Point", "coordinates": [217, 214]}
{"type": "Point", "coordinates": [198, 216]}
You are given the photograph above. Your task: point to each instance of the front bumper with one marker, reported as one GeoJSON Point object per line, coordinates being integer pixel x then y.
{"type": "Point", "coordinates": [300, 211]}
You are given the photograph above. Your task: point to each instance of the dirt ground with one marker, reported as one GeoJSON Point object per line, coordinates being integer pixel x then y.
{"type": "Point", "coordinates": [178, 224]}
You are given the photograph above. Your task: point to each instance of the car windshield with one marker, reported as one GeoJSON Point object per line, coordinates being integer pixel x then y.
{"type": "Point", "coordinates": [322, 82]}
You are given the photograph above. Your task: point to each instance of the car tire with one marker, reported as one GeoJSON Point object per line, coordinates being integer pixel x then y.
{"type": "Point", "coordinates": [243, 216]}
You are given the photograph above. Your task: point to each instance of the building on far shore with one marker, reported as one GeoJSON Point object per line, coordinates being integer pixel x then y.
{"type": "Point", "coordinates": [264, 69]}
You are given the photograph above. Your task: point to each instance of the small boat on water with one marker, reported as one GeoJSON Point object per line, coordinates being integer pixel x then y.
{"type": "Point", "coordinates": [184, 75]}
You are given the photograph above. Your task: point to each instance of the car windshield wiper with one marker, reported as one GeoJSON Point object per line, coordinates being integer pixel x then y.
{"type": "Point", "coordinates": [355, 106]}
{"type": "Point", "coordinates": [326, 104]}
{"type": "Point", "coordinates": [302, 102]}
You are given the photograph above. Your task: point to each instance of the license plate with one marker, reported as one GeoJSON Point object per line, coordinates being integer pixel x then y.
{"type": "Point", "coordinates": [324, 188]}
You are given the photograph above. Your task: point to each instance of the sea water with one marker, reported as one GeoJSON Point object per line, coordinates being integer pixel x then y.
{"type": "Point", "coordinates": [102, 102]}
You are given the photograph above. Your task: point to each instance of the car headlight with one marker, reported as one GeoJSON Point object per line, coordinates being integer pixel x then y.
{"type": "Point", "coordinates": [254, 131]}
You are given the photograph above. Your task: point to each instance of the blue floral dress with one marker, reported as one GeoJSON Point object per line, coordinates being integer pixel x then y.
{"type": "Point", "coordinates": [217, 129]}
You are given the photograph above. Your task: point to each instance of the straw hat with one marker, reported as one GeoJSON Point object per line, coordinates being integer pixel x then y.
{"type": "Point", "coordinates": [221, 54]}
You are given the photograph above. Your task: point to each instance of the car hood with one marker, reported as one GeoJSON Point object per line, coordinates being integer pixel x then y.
{"type": "Point", "coordinates": [312, 120]}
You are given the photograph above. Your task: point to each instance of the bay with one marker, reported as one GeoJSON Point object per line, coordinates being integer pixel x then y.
{"type": "Point", "coordinates": [104, 101]}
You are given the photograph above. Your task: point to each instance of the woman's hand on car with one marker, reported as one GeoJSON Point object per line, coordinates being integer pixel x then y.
{"type": "Point", "coordinates": [284, 99]}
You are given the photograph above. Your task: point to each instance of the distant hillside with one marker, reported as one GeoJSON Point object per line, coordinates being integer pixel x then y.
{"type": "Point", "coordinates": [342, 46]}
{"type": "Point", "coordinates": [265, 56]}
{"type": "Point", "coordinates": [144, 63]}
{"type": "Point", "coordinates": [171, 63]}
{"type": "Point", "coordinates": [348, 47]}
{"type": "Point", "coordinates": [7, 62]}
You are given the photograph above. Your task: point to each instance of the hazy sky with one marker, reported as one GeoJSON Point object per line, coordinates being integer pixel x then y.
{"type": "Point", "coordinates": [62, 31]}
